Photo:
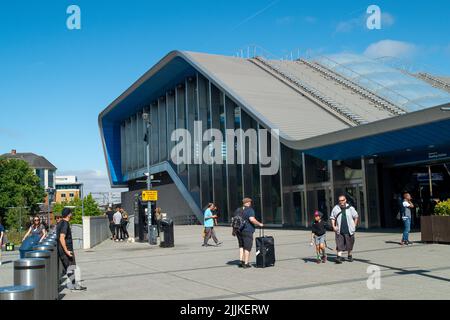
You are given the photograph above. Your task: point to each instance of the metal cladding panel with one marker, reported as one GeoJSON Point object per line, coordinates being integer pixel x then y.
{"type": "Point", "coordinates": [267, 98]}
{"type": "Point", "coordinates": [418, 137]}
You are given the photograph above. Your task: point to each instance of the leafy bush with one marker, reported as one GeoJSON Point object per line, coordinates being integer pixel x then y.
{"type": "Point", "coordinates": [90, 208]}
{"type": "Point", "coordinates": [442, 208]}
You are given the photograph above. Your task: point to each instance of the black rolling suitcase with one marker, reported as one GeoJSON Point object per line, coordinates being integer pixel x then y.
{"type": "Point", "coordinates": [265, 251]}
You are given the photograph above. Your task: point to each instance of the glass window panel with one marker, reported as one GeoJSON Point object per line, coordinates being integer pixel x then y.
{"type": "Point", "coordinates": [162, 130]}
{"type": "Point", "coordinates": [180, 101]}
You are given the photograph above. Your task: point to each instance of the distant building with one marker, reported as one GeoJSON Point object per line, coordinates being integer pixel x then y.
{"type": "Point", "coordinates": [67, 188]}
{"type": "Point", "coordinates": [43, 168]}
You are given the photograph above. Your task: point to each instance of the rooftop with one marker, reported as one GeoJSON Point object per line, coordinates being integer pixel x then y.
{"type": "Point", "coordinates": [35, 161]}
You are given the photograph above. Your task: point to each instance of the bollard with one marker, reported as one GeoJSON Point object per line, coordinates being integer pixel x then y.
{"type": "Point", "coordinates": [53, 269]}
{"type": "Point", "coordinates": [47, 255]}
{"type": "Point", "coordinates": [17, 293]}
{"type": "Point", "coordinates": [31, 272]}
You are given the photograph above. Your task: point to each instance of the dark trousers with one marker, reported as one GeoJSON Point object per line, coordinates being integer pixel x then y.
{"type": "Point", "coordinates": [124, 229]}
{"type": "Point", "coordinates": [67, 262]}
{"type": "Point", "coordinates": [210, 233]}
{"type": "Point", "coordinates": [119, 233]}
{"type": "Point", "coordinates": [112, 229]}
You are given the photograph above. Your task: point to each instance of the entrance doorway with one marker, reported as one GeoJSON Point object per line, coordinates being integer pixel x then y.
{"type": "Point", "coordinates": [427, 183]}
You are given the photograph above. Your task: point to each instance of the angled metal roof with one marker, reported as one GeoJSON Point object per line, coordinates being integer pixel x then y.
{"type": "Point", "coordinates": [303, 123]}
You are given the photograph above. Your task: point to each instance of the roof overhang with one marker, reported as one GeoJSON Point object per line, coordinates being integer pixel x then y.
{"type": "Point", "coordinates": [416, 129]}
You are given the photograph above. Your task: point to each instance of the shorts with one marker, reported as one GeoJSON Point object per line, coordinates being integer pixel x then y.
{"type": "Point", "coordinates": [318, 240]}
{"type": "Point", "coordinates": [345, 242]}
{"type": "Point", "coordinates": [245, 240]}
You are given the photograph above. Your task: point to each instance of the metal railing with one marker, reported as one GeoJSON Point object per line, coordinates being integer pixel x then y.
{"type": "Point", "coordinates": [379, 101]}
{"type": "Point", "coordinates": [435, 82]}
{"type": "Point", "coordinates": [316, 94]}
{"type": "Point", "coordinates": [390, 95]}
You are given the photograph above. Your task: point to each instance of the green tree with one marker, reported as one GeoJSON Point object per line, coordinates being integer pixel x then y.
{"type": "Point", "coordinates": [90, 208]}
{"type": "Point", "coordinates": [19, 187]}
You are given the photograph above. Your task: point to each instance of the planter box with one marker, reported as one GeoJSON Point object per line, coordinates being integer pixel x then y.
{"type": "Point", "coordinates": [435, 229]}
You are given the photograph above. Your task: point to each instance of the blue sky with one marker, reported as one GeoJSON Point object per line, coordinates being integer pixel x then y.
{"type": "Point", "coordinates": [54, 82]}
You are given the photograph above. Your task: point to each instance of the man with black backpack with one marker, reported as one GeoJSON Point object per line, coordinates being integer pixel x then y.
{"type": "Point", "coordinates": [344, 219]}
{"type": "Point", "coordinates": [243, 224]}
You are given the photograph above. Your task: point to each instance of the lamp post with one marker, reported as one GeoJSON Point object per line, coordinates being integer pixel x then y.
{"type": "Point", "coordinates": [82, 200]}
{"type": "Point", "coordinates": [146, 118]}
{"type": "Point", "coordinates": [50, 192]}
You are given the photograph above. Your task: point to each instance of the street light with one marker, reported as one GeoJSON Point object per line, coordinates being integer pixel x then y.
{"type": "Point", "coordinates": [150, 231]}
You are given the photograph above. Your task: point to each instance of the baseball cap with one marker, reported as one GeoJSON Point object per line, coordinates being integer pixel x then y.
{"type": "Point", "coordinates": [317, 214]}
{"type": "Point", "coordinates": [66, 212]}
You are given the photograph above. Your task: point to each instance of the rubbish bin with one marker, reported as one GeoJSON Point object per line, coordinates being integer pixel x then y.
{"type": "Point", "coordinates": [54, 275]}
{"type": "Point", "coordinates": [17, 293]}
{"type": "Point", "coordinates": [47, 255]}
{"type": "Point", "coordinates": [31, 272]}
{"type": "Point", "coordinates": [28, 244]}
{"type": "Point", "coordinates": [167, 236]}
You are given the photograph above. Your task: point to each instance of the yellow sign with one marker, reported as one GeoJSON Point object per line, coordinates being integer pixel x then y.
{"type": "Point", "coordinates": [150, 195]}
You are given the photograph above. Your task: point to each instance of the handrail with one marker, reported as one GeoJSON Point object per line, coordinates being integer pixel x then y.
{"type": "Point", "coordinates": [335, 106]}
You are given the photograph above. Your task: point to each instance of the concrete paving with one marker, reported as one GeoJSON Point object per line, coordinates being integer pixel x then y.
{"type": "Point", "coordinates": [188, 271]}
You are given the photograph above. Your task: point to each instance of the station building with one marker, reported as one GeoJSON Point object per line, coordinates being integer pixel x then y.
{"type": "Point", "coordinates": [347, 125]}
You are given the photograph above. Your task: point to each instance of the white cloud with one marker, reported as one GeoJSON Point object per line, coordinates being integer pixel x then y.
{"type": "Point", "coordinates": [387, 20]}
{"type": "Point", "coordinates": [391, 48]}
{"type": "Point", "coordinates": [285, 20]}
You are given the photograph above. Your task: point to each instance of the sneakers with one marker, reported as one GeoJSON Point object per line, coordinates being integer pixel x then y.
{"type": "Point", "coordinates": [350, 259]}
{"type": "Point", "coordinates": [246, 266]}
{"type": "Point", "coordinates": [79, 287]}
{"type": "Point", "coordinates": [338, 260]}
{"type": "Point", "coordinates": [218, 243]}
{"type": "Point", "coordinates": [241, 264]}
{"type": "Point", "coordinates": [324, 259]}
{"type": "Point", "coordinates": [318, 261]}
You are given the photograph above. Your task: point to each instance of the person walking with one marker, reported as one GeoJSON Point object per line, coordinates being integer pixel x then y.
{"type": "Point", "coordinates": [110, 213]}
{"type": "Point", "coordinates": [124, 223]}
{"type": "Point", "coordinates": [406, 215]}
{"type": "Point", "coordinates": [208, 224]}
{"type": "Point", "coordinates": [65, 249]}
{"type": "Point", "coordinates": [318, 237]}
{"type": "Point", "coordinates": [36, 230]}
{"type": "Point", "coordinates": [344, 219]}
{"type": "Point", "coordinates": [117, 219]}
{"type": "Point", "coordinates": [243, 225]}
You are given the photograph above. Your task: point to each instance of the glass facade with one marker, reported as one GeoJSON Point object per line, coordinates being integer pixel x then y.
{"type": "Point", "coordinates": [288, 198]}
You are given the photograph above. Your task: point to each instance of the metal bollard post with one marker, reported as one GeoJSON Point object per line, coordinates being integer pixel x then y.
{"type": "Point", "coordinates": [47, 255]}
{"type": "Point", "coordinates": [54, 267]}
{"type": "Point", "coordinates": [31, 272]}
{"type": "Point", "coordinates": [17, 293]}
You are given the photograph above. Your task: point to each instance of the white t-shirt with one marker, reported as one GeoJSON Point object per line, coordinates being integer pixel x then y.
{"type": "Point", "coordinates": [407, 209]}
{"type": "Point", "coordinates": [117, 217]}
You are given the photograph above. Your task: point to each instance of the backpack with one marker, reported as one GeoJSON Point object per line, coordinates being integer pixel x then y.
{"type": "Point", "coordinates": [238, 222]}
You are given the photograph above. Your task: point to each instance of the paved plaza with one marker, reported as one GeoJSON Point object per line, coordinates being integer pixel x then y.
{"type": "Point", "coordinates": [188, 271]}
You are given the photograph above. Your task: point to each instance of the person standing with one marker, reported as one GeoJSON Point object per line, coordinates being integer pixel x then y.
{"type": "Point", "coordinates": [124, 223]}
{"type": "Point", "coordinates": [65, 248]}
{"type": "Point", "coordinates": [344, 219]}
{"type": "Point", "coordinates": [110, 213]}
{"type": "Point", "coordinates": [244, 234]}
{"type": "Point", "coordinates": [158, 218]}
{"type": "Point", "coordinates": [36, 230]}
{"type": "Point", "coordinates": [208, 223]}
{"type": "Point", "coordinates": [117, 219]}
{"type": "Point", "coordinates": [2, 234]}
{"type": "Point", "coordinates": [406, 217]}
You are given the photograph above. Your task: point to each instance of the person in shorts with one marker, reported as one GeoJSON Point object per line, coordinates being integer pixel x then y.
{"type": "Point", "coordinates": [318, 237]}
{"type": "Point", "coordinates": [344, 219]}
{"type": "Point", "coordinates": [245, 236]}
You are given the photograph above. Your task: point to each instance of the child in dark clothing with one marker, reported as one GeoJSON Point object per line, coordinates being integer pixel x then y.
{"type": "Point", "coordinates": [318, 237]}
